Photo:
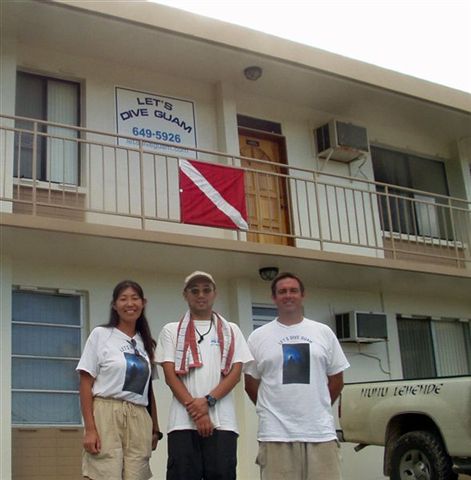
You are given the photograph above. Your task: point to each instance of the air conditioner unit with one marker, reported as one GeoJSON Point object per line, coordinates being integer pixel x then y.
{"type": "Point", "coordinates": [361, 327]}
{"type": "Point", "coordinates": [341, 141]}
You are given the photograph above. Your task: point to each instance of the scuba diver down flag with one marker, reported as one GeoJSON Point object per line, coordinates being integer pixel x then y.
{"type": "Point", "coordinates": [212, 195]}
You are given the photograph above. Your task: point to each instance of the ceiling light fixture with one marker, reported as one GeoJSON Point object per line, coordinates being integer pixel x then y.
{"type": "Point", "coordinates": [253, 73]}
{"type": "Point", "coordinates": [268, 273]}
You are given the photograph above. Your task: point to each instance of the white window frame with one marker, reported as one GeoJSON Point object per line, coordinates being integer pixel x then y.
{"type": "Point", "coordinates": [260, 320]}
{"type": "Point", "coordinates": [425, 213]}
{"type": "Point", "coordinates": [81, 326]}
{"type": "Point", "coordinates": [433, 322]}
{"type": "Point", "coordinates": [62, 160]}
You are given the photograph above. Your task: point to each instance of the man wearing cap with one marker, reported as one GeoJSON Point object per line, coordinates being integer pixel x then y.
{"type": "Point", "coordinates": [202, 357]}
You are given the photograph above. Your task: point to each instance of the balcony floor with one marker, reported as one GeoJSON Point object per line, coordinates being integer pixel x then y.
{"type": "Point", "coordinates": [42, 240]}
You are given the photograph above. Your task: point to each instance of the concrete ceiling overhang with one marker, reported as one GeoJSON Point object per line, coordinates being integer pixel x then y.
{"type": "Point", "coordinates": [75, 244]}
{"type": "Point", "coordinates": [289, 73]}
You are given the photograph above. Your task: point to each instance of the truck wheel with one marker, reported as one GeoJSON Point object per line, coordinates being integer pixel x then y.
{"type": "Point", "coordinates": [420, 455]}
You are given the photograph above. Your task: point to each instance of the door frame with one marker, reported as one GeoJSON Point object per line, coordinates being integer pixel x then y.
{"type": "Point", "coordinates": [280, 140]}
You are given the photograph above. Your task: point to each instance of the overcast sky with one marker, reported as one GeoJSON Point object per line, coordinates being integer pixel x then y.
{"type": "Point", "coordinates": [429, 39]}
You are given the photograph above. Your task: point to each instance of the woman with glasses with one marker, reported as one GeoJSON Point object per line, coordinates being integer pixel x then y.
{"type": "Point", "coordinates": [116, 396]}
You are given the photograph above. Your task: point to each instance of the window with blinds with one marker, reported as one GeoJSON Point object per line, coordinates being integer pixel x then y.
{"type": "Point", "coordinates": [434, 347]}
{"type": "Point", "coordinates": [46, 346]}
{"type": "Point", "coordinates": [53, 148]}
{"type": "Point", "coordinates": [262, 314]}
{"type": "Point", "coordinates": [406, 212]}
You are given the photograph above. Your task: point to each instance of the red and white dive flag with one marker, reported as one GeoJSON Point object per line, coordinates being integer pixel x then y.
{"type": "Point", "coordinates": [212, 195]}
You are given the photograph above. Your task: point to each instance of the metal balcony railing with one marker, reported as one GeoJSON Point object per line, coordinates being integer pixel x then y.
{"type": "Point", "coordinates": [98, 177]}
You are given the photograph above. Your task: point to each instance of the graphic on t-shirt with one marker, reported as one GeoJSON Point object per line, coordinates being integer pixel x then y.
{"type": "Point", "coordinates": [137, 373]}
{"type": "Point", "coordinates": [296, 365]}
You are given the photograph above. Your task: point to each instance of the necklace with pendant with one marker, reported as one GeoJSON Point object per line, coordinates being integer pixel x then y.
{"type": "Point", "coordinates": [202, 335]}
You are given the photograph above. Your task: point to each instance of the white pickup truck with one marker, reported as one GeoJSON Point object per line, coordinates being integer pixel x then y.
{"type": "Point", "coordinates": [424, 425]}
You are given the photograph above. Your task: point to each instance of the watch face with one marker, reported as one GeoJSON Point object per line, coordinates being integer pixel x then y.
{"type": "Point", "coordinates": [211, 400]}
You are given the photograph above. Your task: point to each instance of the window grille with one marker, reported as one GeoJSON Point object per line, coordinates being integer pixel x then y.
{"type": "Point", "coordinates": [46, 346]}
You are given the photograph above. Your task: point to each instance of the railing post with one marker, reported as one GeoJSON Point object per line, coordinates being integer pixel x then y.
{"type": "Point", "coordinates": [453, 232]}
{"type": "Point", "coordinates": [318, 210]}
{"type": "Point", "coordinates": [141, 174]}
{"type": "Point", "coordinates": [393, 246]}
{"type": "Point", "coordinates": [34, 162]}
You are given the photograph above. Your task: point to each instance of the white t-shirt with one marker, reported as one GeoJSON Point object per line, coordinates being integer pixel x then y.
{"type": "Point", "coordinates": [200, 381]}
{"type": "Point", "coordinates": [109, 357]}
{"type": "Point", "coordinates": [293, 362]}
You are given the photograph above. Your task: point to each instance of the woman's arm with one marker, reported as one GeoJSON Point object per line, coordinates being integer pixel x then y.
{"type": "Point", "coordinates": [91, 439]}
{"type": "Point", "coordinates": [155, 420]}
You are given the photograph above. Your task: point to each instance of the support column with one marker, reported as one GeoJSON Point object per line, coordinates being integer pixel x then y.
{"type": "Point", "coordinates": [227, 133]}
{"type": "Point", "coordinates": [5, 365]}
{"type": "Point", "coordinates": [464, 153]}
{"type": "Point", "coordinates": [240, 304]}
{"type": "Point", "coordinates": [7, 107]}
{"type": "Point", "coordinates": [226, 110]}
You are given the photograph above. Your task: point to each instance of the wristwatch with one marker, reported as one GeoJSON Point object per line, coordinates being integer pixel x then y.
{"type": "Point", "coordinates": [211, 400]}
{"type": "Point", "coordinates": [159, 434]}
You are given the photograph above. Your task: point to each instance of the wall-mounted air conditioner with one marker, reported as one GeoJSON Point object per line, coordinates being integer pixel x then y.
{"type": "Point", "coordinates": [341, 141]}
{"type": "Point", "coordinates": [361, 327]}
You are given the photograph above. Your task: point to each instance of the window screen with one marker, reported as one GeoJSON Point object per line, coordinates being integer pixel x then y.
{"type": "Point", "coordinates": [407, 212]}
{"type": "Point", "coordinates": [57, 151]}
{"type": "Point", "coordinates": [263, 314]}
{"type": "Point", "coordinates": [434, 348]}
{"type": "Point", "coordinates": [46, 346]}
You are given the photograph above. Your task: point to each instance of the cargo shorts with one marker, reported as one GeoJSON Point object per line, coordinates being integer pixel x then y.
{"type": "Point", "coordinates": [125, 432]}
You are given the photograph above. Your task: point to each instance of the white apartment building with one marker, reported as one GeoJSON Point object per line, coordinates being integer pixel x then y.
{"type": "Point", "coordinates": [355, 177]}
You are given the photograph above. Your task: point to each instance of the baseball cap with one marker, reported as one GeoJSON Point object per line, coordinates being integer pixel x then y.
{"type": "Point", "coordinates": [198, 274]}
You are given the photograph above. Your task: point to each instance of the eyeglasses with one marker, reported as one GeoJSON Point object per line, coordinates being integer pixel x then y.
{"type": "Point", "coordinates": [134, 345]}
{"type": "Point", "coordinates": [197, 291]}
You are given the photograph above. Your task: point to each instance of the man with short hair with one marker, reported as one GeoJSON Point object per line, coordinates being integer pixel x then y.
{"type": "Point", "coordinates": [202, 357]}
{"type": "Point", "coordinates": [296, 376]}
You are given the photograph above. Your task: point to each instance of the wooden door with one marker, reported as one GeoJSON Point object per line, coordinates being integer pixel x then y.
{"type": "Point", "coordinates": [266, 192]}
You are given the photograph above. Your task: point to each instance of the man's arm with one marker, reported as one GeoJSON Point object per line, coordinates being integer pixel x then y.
{"type": "Point", "coordinates": [251, 387]}
{"type": "Point", "coordinates": [335, 384]}
{"type": "Point", "coordinates": [199, 406]}
{"type": "Point", "coordinates": [176, 385]}
{"type": "Point", "coordinates": [228, 382]}
{"type": "Point", "coordinates": [203, 423]}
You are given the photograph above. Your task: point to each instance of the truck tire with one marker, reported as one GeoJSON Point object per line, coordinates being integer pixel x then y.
{"type": "Point", "coordinates": [420, 455]}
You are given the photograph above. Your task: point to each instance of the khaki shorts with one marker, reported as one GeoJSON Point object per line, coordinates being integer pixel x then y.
{"type": "Point", "coordinates": [125, 431]}
{"type": "Point", "coordinates": [299, 461]}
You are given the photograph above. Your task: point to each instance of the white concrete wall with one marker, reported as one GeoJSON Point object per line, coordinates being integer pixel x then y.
{"type": "Point", "coordinates": [216, 106]}
{"type": "Point", "coordinates": [377, 361]}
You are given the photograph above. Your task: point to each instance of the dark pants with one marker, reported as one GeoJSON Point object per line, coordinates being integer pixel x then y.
{"type": "Point", "coordinates": [192, 457]}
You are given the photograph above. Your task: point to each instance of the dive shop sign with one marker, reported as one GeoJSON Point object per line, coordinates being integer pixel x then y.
{"type": "Point", "coordinates": [154, 118]}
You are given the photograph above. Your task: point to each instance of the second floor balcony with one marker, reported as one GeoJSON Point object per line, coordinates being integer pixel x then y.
{"type": "Point", "coordinates": [51, 170]}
